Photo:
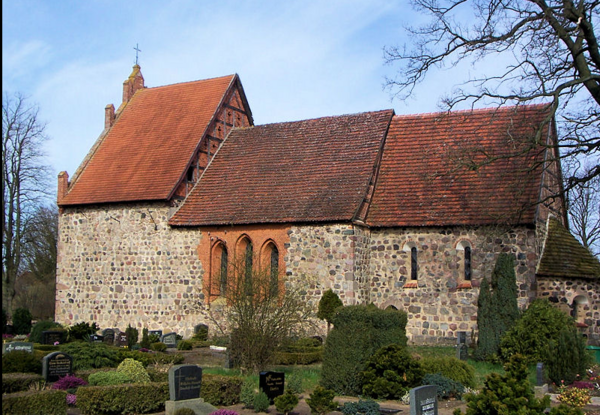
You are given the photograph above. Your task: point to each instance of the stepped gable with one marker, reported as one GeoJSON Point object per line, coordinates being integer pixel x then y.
{"type": "Point", "coordinates": [145, 153]}
{"type": "Point", "coordinates": [451, 168]}
{"type": "Point", "coordinates": [314, 170]}
{"type": "Point", "coordinates": [564, 256]}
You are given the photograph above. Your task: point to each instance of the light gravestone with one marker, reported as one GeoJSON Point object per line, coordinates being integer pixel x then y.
{"type": "Point", "coordinates": [157, 333]}
{"type": "Point", "coordinates": [56, 365]}
{"type": "Point", "coordinates": [541, 388]}
{"type": "Point", "coordinates": [423, 400]}
{"type": "Point", "coordinates": [272, 384]}
{"type": "Point", "coordinates": [170, 339]}
{"type": "Point", "coordinates": [185, 382]}
{"type": "Point", "coordinates": [17, 347]}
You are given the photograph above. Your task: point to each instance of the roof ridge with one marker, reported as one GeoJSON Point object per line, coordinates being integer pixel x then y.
{"type": "Point", "coordinates": [191, 82]}
{"type": "Point", "coordinates": [472, 110]}
{"type": "Point", "coordinates": [324, 118]}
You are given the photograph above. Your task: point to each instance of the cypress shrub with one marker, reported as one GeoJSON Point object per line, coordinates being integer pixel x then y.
{"type": "Point", "coordinates": [358, 332]}
{"type": "Point", "coordinates": [22, 321]}
{"type": "Point", "coordinates": [132, 336]}
{"type": "Point", "coordinates": [145, 342]}
{"type": "Point", "coordinates": [328, 304]}
{"type": "Point", "coordinates": [567, 357]}
{"type": "Point", "coordinates": [485, 316]}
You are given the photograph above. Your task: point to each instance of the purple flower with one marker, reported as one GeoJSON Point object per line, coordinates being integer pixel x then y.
{"type": "Point", "coordinates": [71, 399]}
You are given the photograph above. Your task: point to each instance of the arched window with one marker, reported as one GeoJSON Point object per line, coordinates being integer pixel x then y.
{"type": "Point", "coordinates": [467, 263]}
{"type": "Point", "coordinates": [246, 252]}
{"type": "Point", "coordinates": [219, 266]}
{"type": "Point", "coordinates": [274, 269]}
{"type": "Point", "coordinates": [223, 272]}
{"type": "Point", "coordinates": [413, 263]}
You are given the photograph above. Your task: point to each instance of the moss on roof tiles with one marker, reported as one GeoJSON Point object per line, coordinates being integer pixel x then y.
{"type": "Point", "coordinates": [564, 256]}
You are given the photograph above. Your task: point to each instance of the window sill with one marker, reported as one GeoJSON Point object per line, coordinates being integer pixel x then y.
{"type": "Point", "coordinates": [411, 284]}
{"type": "Point", "coordinates": [464, 285]}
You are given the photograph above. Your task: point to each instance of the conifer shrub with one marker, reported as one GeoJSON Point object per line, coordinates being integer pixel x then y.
{"type": "Point", "coordinates": [446, 388]}
{"type": "Point", "coordinates": [22, 321]}
{"type": "Point", "coordinates": [185, 345]}
{"type": "Point", "coordinates": [201, 334]}
{"type": "Point", "coordinates": [328, 304]}
{"type": "Point", "coordinates": [145, 342]}
{"type": "Point", "coordinates": [321, 401]}
{"type": "Point", "coordinates": [390, 373]}
{"type": "Point", "coordinates": [220, 390]}
{"type": "Point", "coordinates": [40, 327]}
{"type": "Point", "coordinates": [158, 347]}
{"type": "Point", "coordinates": [132, 336]}
{"type": "Point", "coordinates": [567, 356]}
{"type": "Point", "coordinates": [362, 407]}
{"type": "Point", "coordinates": [286, 403]}
{"type": "Point", "coordinates": [134, 370]}
{"type": "Point", "coordinates": [142, 357]}
{"type": "Point", "coordinates": [261, 402]}
{"type": "Point", "coordinates": [82, 331]}
{"type": "Point", "coordinates": [46, 402]}
{"type": "Point", "coordinates": [451, 367]}
{"type": "Point", "coordinates": [108, 378]}
{"type": "Point", "coordinates": [91, 355]}
{"type": "Point", "coordinates": [294, 384]}
{"type": "Point", "coordinates": [247, 393]}
{"type": "Point", "coordinates": [540, 324]}
{"type": "Point", "coordinates": [358, 332]}
{"type": "Point", "coordinates": [21, 361]}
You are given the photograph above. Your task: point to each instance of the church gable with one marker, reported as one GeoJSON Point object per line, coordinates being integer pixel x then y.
{"type": "Point", "coordinates": [157, 136]}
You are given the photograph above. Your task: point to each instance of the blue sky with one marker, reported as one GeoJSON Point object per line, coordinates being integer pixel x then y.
{"type": "Point", "coordinates": [296, 59]}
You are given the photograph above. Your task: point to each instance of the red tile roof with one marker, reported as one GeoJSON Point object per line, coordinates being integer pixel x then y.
{"type": "Point", "coordinates": [146, 152]}
{"type": "Point", "coordinates": [305, 171]}
{"type": "Point", "coordinates": [435, 171]}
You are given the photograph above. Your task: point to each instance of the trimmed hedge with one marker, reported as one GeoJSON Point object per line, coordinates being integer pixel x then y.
{"type": "Point", "coordinates": [48, 402]}
{"type": "Point", "coordinates": [302, 358]}
{"type": "Point", "coordinates": [19, 382]}
{"type": "Point", "coordinates": [132, 398]}
{"type": "Point", "coordinates": [220, 390]}
{"type": "Point", "coordinates": [450, 367]}
{"type": "Point", "coordinates": [21, 362]}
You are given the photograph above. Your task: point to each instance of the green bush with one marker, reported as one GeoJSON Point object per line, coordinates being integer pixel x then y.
{"type": "Point", "coordinates": [19, 382]}
{"type": "Point", "coordinates": [286, 403]}
{"type": "Point", "coordinates": [328, 304]}
{"type": "Point", "coordinates": [450, 367]}
{"type": "Point", "coordinates": [507, 394]}
{"type": "Point", "coordinates": [108, 378]}
{"type": "Point", "coordinates": [261, 402]}
{"type": "Point", "coordinates": [91, 355]}
{"type": "Point", "coordinates": [185, 411]}
{"type": "Point", "coordinates": [390, 373]}
{"type": "Point", "coordinates": [247, 393]}
{"type": "Point", "coordinates": [22, 321]}
{"type": "Point", "coordinates": [145, 342]}
{"type": "Point", "coordinates": [134, 370]}
{"type": "Point", "coordinates": [446, 388]}
{"type": "Point", "coordinates": [221, 390]}
{"type": "Point", "coordinates": [133, 398]}
{"type": "Point", "coordinates": [21, 362]}
{"type": "Point", "coordinates": [46, 402]}
{"type": "Point", "coordinates": [82, 331]}
{"type": "Point", "coordinates": [40, 327]}
{"type": "Point", "coordinates": [294, 384]}
{"type": "Point", "coordinates": [358, 332]}
{"type": "Point", "coordinates": [185, 345]}
{"type": "Point", "coordinates": [158, 347]}
{"type": "Point", "coordinates": [321, 401]}
{"type": "Point", "coordinates": [362, 407]}
{"type": "Point", "coordinates": [144, 358]}
{"type": "Point", "coordinates": [132, 336]}
{"type": "Point", "coordinates": [46, 348]}
{"type": "Point", "coordinates": [567, 356]}
{"type": "Point", "coordinates": [289, 358]}
{"type": "Point", "coordinates": [201, 334]}
{"type": "Point", "coordinates": [540, 324]}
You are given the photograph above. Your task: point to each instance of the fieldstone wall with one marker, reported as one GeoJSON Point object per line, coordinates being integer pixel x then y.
{"type": "Point", "coordinates": [579, 297]}
{"type": "Point", "coordinates": [122, 264]}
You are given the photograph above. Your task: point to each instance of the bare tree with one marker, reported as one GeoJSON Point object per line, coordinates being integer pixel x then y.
{"type": "Point", "coordinates": [584, 211]}
{"type": "Point", "coordinates": [24, 183]}
{"type": "Point", "coordinates": [553, 56]}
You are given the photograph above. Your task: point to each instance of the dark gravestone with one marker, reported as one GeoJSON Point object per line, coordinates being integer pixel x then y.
{"type": "Point", "coordinates": [272, 384]}
{"type": "Point", "coordinates": [56, 365]}
{"type": "Point", "coordinates": [53, 337]}
{"type": "Point", "coordinates": [122, 339]}
{"type": "Point", "coordinates": [201, 328]}
{"type": "Point", "coordinates": [109, 336]}
{"type": "Point", "coordinates": [185, 382]}
{"type": "Point", "coordinates": [423, 400]}
{"type": "Point", "coordinates": [462, 350]}
{"type": "Point", "coordinates": [170, 339]}
{"type": "Point", "coordinates": [17, 346]}
{"type": "Point", "coordinates": [155, 333]}
{"type": "Point", "coordinates": [96, 338]}
{"type": "Point", "coordinates": [540, 374]}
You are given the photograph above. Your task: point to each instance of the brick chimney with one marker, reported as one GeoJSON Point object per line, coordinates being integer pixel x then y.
{"type": "Point", "coordinates": [63, 186]}
{"type": "Point", "coordinates": [133, 83]}
{"type": "Point", "coordinates": [109, 116]}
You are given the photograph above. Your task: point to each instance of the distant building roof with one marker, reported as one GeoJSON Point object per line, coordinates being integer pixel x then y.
{"type": "Point", "coordinates": [564, 256]}
{"type": "Point", "coordinates": [145, 154]}
{"type": "Point", "coordinates": [451, 168]}
{"type": "Point", "coordinates": [306, 171]}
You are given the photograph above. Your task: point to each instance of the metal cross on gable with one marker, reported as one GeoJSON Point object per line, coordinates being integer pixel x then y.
{"type": "Point", "coordinates": [137, 49]}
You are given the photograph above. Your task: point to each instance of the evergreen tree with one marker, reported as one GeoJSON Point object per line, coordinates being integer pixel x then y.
{"type": "Point", "coordinates": [327, 305]}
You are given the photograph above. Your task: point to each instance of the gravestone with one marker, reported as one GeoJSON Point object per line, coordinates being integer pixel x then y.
{"type": "Point", "coordinates": [56, 365]}
{"type": "Point", "coordinates": [170, 339]}
{"type": "Point", "coordinates": [155, 333]}
{"type": "Point", "coordinates": [17, 346]}
{"type": "Point", "coordinates": [109, 336]}
{"type": "Point", "coordinates": [423, 400]}
{"type": "Point", "coordinates": [201, 328]}
{"type": "Point", "coordinates": [53, 337]}
{"type": "Point", "coordinates": [96, 338]}
{"type": "Point", "coordinates": [539, 372]}
{"type": "Point", "coordinates": [272, 384]}
{"type": "Point", "coordinates": [462, 350]}
{"type": "Point", "coordinates": [122, 339]}
{"type": "Point", "coordinates": [185, 382]}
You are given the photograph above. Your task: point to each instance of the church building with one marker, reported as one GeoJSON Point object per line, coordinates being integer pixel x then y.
{"type": "Point", "coordinates": [403, 211]}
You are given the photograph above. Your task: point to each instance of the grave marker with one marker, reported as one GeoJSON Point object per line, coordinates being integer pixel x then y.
{"type": "Point", "coordinates": [423, 400]}
{"type": "Point", "coordinates": [170, 339]}
{"type": "Point", "coordinates": [155, 333]}
{"type": "Point", "coordinates": [185, 382]}
{"type": "Point", "coordinates": [109, 336]}
{"type": "Point", "coordinates": [53, 336]}
{"type": "Point", "coordinates": [122, 340]}
{"type": "Point", "coordinates": [56, 365]}
{"type": "Point", "coordinates": [272, 384]}
{"type": "Point", "coordinates": [17, 346]}
{"type": "Point", "coordinates": [462, 350]}
{"type": "Point", "coordinates": [96, 338]}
